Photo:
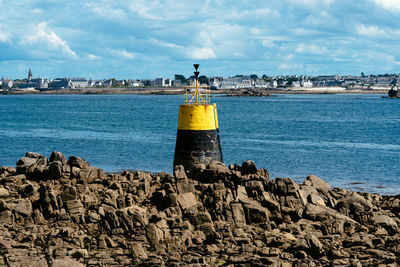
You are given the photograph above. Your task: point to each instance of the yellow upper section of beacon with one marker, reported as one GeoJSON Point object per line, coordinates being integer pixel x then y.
{"type": "Point", "coordinates": [197, 117]}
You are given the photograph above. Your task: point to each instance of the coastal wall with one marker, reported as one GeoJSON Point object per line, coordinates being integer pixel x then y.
{"type": "Point", "coordinates": [55, 212]}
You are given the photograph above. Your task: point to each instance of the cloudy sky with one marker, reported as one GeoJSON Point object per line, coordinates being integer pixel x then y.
{"type": "Point", "coordinates": [159, 38]}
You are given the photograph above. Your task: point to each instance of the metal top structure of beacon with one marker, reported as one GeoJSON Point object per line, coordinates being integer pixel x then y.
{"type": "Point", "coordinates": [197, 140]}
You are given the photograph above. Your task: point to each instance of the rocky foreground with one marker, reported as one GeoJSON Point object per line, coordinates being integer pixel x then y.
{"type": "Point", "coordinates": [249, 93]}
{"type": "Point", "coordinates": [55, 212]}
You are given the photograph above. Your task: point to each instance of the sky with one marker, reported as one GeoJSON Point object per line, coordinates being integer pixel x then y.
{"type": "Point", "coordinates": [137, 39]}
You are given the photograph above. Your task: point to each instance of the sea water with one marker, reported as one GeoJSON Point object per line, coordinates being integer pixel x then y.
{"type": "Point", "coordinates": [351, 141]}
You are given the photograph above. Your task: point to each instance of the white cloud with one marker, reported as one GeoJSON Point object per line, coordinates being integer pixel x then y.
{"type": "Point", "coordinates": [5, 36]}
{"type": "Point", "coordinates": [106, 10]}
{"type": "Point", "coordinates": [310, 2]}
{"type": "Point", "coordinates": [379, 57]}
{"type": "Point", "coordinates": [146, 9]}
{"type": "Point", "coordinates": [205, 39]}
{"type": "Point", "coordinates": [376, 32]}
{"type": "Point", "coordinates": [255, 31]}
{"type": "Point", "coordinates": [268, 43]}
{"type": "Point", "coordinates": [49, 39]}
{"type": "Point", "coordinates": [151, 32]}
{"type": "Point", "coordinates": [370, 31]}
{"type": "Point", "coordinates": [123, 53]}
{"type": "Point", "coordinates": [266, 12]}
{"type": "Point", "coordinates": [92, 57]}
{"type": "Point", "coordinates": [261, 13]}
{"type": "Point", "coordinates": [172, 10]}
{"type": "Point", "coordinates": [338, 59]}
{"type": "Point", "coordinates": [238, 54]}
{"type": "Point", "coordinates": [286, 68]}
{"type": "Point", "coordinates": [162, 43]}
{"type": "Point", "coordinates": [283, 66]}
{"type": "Point", "coordinates": [190, 52]}
{"type": "Point", "coordinates": [36, 11]}
{"type": "Point", "coordinates": [272, 41]}
{"type": "Point", "coordinates": [303, 32]}
{"type": "Point", "coordinates": [163, 10]}
{"type": "Point", "coordinates": [310, 49]}
{"type": "Point", "coordinates": [200, 53]}
{"type": "Point", "coordinates": [322, 19]}
{"type": "Point", "coordinates": [391, 5]}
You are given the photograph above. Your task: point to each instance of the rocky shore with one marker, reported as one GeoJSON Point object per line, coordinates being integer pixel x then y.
{"type": "Point", "coordinates": [392, 93]}
{"type": "Point", "coordinates": [249, 93]}
{"type": "Point", "coordinates": [55, 212]}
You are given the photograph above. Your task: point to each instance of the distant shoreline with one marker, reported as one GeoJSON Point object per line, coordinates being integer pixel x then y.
{"type": "Point", "coordinates": [178, 91]}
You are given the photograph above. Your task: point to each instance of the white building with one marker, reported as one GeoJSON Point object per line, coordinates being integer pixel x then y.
{"type": "Point", "coordinates": [306, 83]}
{"type": "Point", "coordinates": [159, 82]}
{"type": "Point", "coordinates": [98, 83]}
{"type": "Point", "coordinates": [168, 82]}
{"type": "Point", "coordinates": [108, 83]}
{"type": "Point", "coordinates": [91, 83]}
{"type": "Point", "coordinates": [6, 83]}
{"type": "Point", "coordinates": [215, 81]}
{"type": "Point", "coordinates": [134, 83]}
{"type": "Point", "coordinates": [246, 84]}
{"type": "Point", "coordinates": [296, 84]}
{"type": "Point", "coordinates": [231, 83]}
{"type": "Point", "coordinates": [78, 83]}
{"type": "Point", "coordinates": [260, 83]}
{"type": "Point", "coordinates": [383, 80]}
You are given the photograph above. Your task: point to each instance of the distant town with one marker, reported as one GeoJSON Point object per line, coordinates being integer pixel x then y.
{"type": "Point", "coordinates": [253, 81]}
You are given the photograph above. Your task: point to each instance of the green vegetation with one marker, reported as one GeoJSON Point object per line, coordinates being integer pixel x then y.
{"type": "Point", "coordinates": [181, 78]}
{"type": "Point", "coordinates": [203, 79]}
{"type": "Point", "coordinates": [292, 79]}
{"type": "Point", "coordinates": [254, 76]}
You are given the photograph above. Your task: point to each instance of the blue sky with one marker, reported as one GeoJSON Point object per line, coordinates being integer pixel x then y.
{"type": "Point", "coordinates": [153, 38]}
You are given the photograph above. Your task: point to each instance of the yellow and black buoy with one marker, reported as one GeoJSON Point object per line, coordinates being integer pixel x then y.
{"type": "Point", "coordinates": [197, 140]}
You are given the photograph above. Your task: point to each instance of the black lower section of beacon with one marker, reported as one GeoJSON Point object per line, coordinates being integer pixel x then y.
{"type": "Point", "coordinates": [197, 147]}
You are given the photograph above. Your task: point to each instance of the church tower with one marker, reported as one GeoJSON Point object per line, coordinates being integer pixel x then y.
{"type": "Point", "coordinates": [30, 75]}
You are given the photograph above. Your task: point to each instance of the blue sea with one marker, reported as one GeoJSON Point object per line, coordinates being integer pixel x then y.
{"type": "Point", "coordinates": [351, 141]}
